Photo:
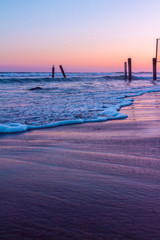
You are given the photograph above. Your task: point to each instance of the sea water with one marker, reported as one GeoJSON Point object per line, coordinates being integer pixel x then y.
{"type": "Point", "coordinates": [80, 98]}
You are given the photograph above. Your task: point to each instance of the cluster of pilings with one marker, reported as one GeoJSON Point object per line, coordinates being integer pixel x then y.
{"type": "Point", "coordinates": [129, 76]}
{"type": "Point", "coordinates": [129, 70]}
{"type": "Point", "coordinates": [126, 76]}
{"type": "Point", "coordinates": [62, 71]}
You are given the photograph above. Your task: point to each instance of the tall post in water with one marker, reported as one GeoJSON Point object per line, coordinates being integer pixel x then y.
{"type": "Point", "coordinates": [129, 69]}
{"type": "Point", "coordinates": [125, 70]}
{"type": "Point", "coordinates": [154, 69]}
{"type": "Point", "coordinates": [64, 75]}
{"type": "Point", "coordinates": [53, 71]}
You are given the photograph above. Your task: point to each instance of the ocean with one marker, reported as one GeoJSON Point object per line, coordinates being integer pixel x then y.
{"type": "Point", "coordinates": [31, 100]}
{"type": "Point", "coordinates": [83, 182]}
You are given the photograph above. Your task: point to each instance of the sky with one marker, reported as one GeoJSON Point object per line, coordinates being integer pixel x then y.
{"type": "Point", "coordinates": [81, 35]}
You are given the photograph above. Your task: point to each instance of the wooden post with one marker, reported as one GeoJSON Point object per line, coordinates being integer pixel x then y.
{"type": "Point", "coordinates": [154, 69]}
{"type": "Point", "coordinates": [125, 70]}
{"type": "Point", "coordinates": [53, 71]}
{"type": "Point", "coordinates": [130, 69]}
{"type": "Point", "coordinates": [64, 75]}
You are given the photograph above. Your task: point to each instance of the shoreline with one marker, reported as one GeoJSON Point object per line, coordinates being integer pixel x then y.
{"type": "Point", "coordinates": [86, 181]}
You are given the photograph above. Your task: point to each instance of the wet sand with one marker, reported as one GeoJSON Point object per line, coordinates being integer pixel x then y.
{"type": "Point", "coordinates": [88, 181]}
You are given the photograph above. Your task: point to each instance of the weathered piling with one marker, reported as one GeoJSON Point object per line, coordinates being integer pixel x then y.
{"type": "Point", "coordinates": [125, 70]}
{"type": "Point", "coordinates": [53, 69]}
{"type": "Point", "coordinates": [154, 69]}
{"type": "Point", "coordinates": [129, 69]}
{"type": "Point", "coordinates": [64, 75]}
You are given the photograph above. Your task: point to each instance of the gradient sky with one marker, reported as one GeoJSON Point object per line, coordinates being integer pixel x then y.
{"type": "Point", "coordinates": [82, 35]}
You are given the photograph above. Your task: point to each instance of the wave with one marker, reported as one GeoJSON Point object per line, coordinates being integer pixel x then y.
{"type": "Point", "coordinates": [109, 113]}
{"type": "Point", "coordinates": [70, 79]}
{"type": "Point", "coordinates": [27, 77]}
{"type": "Point", "coordinates": [135, 76]}
{"type": "Point", "coordinates": [116, 77]}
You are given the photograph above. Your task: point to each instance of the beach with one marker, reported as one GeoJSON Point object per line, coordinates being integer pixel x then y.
{"type": "Point", "coordinates": [86, 181]}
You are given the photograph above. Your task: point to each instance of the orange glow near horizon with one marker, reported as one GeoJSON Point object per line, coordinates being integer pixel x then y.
{"type": "Point", "coordinates": [91, 59]}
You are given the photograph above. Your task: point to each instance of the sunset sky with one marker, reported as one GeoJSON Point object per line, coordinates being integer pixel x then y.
{"type": "Point", "coordinates": [82, 35]}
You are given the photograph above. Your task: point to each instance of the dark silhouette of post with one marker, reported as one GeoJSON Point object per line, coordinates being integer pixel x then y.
{"type": "Point", "coordinates": [53, 71]}
{"type": "Point", "coordinates": [129, 69]}
{"type": "Point", "coordinates": [154, 69]}
{"type": "Point", "coordinates": [125, 70]}
{"type": "Point", "coordinates": [64, 75]}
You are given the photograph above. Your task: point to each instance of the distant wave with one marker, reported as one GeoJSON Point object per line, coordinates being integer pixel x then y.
{"type": "Point", "coordinates": [118, 77]}
{"type": "Point", "coordinates": [135, 76]}
{"type": "Point", "coordinates": [38, 80]}
{"type": "Point", "coordinates": [70, 78]}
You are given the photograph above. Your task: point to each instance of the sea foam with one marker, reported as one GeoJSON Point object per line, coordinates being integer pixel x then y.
{"type": "Point", "coordinates": [108, 114]}
{"type": "Point", "coordinates": [81, 98]}
{"type": "Point", "coordinates": [12, 128]}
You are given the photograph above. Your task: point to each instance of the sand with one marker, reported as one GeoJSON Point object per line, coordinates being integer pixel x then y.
{"type": "Point", "coordinates": [88, 181]}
